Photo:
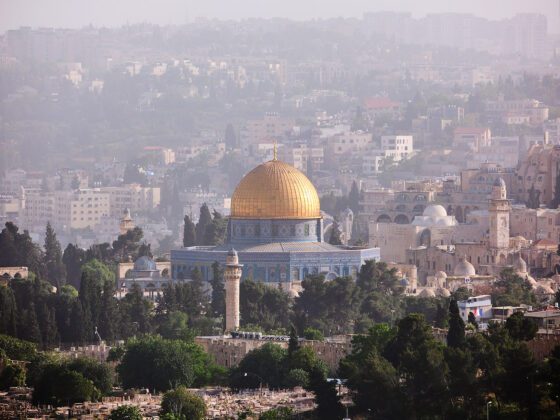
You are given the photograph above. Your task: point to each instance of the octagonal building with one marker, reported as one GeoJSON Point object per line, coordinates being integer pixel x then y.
{"type": "Point", "coordinates": [276, 227]}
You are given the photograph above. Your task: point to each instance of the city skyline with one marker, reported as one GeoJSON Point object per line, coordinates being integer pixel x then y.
{"type": "Point", "coordinates": [78, 13]}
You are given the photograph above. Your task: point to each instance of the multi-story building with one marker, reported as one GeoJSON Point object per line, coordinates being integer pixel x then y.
{"type": "Point", "coordinates": [537, 173]}
{"type": "Point", "coordinates": [397, 147]}
{"type": "Point", "coordinates": [471, 138]}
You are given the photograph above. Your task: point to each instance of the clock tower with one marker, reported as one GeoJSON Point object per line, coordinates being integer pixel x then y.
{"type": "Point", "coordinates": [499, 216]}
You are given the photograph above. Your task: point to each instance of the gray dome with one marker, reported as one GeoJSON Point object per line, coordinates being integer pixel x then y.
{"type": "Point", "coordinates": [464, 269]}
{"type": "Point", "coordinates": [145, 264]}
{"type": "Point", "coordinates": [499, 182]}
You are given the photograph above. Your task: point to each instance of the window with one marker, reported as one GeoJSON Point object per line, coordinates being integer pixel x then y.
{"type": "Point", "coordinates": [274, 230]}
{"type": "Point", "coordinates": [306, 230]}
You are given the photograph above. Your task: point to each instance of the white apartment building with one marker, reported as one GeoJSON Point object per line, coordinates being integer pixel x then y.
{"type": "Point", "coordinates": [397, 147]}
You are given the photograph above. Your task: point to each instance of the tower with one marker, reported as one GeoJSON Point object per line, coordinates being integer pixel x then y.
{"type": "Point", "coordinates": [126, 223]}
{"type": "Point", "coordinates": [232, 276]}
{"type": "Point", "coordinates": [499, 216]}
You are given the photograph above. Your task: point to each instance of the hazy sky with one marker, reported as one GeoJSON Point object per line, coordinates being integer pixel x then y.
{"type": "Point", "coordinates": [78, 13]}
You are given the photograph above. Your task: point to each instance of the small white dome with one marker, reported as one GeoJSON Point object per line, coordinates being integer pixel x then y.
{"type": "Point", "coordinates": [441, 275]}
{"type": "Point", "coordinates": [464, 269]}
{"type": "Point", "coordinates": [435, 210]}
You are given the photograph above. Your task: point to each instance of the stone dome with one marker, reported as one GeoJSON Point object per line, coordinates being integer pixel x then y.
{"type": "Point", "coordinates": [145, 264]}
{"type": "Point", "coordinates": [428, 292]}
{"type": "Point", "coordinates": [464, 269]}
{"type": "Point", "coordinates": [441, 275]}
{"type": "Point", "coordinates": [275, 190]}
{"type": "Point", "coordinates": [499, 182]}
{"type": "Point", "coordinates": [435, 210]}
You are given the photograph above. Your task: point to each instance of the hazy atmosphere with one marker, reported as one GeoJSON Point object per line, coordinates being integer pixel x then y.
{"type": "Point", "coordinates": [77, 13]}
{"type": "Point", "coordinates": [280, 210]}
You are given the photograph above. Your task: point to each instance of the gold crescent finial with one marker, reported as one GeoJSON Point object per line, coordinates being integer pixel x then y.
{"type": "Point", "coordinates": [275, 155]}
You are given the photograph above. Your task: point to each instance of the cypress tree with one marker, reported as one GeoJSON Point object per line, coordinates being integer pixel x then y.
{"type": "Point", "coordinates": [108, 317]}
{"type": "Point", "coordinates": [218, 303]}
{"type": "Point", "coordinates": [189, 233]}
{"type": "Point", "coordinates": [293, 344]}
{"type": "Point", "coordinates": [77, 332]}
{"type": "Point", "coordinates": [56, 271]}
{"type": "Point", "coordinates": [30, 326]}
{"type": "Point", "coordinates": [204, 220]}
{"type": "Point", "coordinates": [73, 259]}
{"type": "Point", "coordinates": [456, 333]}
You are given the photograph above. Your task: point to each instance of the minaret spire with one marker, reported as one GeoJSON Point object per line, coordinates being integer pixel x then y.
{"type": "Point", "coordinates": [275, 155]}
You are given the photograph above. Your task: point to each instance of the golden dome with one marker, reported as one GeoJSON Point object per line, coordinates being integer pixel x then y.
{"type": "Point", "coordinates": [275, 190]}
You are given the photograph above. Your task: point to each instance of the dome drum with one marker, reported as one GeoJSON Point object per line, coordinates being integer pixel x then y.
{"type": "Point", "coordinates": [255, 231]}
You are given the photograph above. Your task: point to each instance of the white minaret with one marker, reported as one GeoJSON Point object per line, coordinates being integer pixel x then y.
{"type": "Point", "coordinates": [232, 276]}
{"type": "Point", "coordinates": [499, 216]}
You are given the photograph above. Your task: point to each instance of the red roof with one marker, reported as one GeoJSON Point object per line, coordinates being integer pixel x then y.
{"type": "Point", "coordinates": [545, 243]}
{"type": "Point", "coordinates": [380, 103]}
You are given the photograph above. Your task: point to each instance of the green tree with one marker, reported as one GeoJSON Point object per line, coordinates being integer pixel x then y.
{"type": "Point", "coordinates": [204, 220]}
{"type": "Point", "coordinates": [94, 276]}
{"type": "Point", "coordinates": [181, 402]}
{"type": "Point", "coordinates": [215, 232]}
{"type": "Point", "coordinates": [135, 312]}
{"type": "Point", "coordinates": [218, 302]}
{"type": "Point", "coordinates": [472, 320]}
{"type": "Point", "coordinates": [58, 386]}
{"type": "Point", "coordinates": [189, 232]}
{"type": "Point", "coordinates": [98, 373]}
{"type": "Point", "coordinates": [456, 333]}
{"type": "Point", "coordinates": [512, 290]}
{"type": "Point", "coordinates": [109, 314]}
{"type": "Point", "coordinates": [175, 326]}
{"type": "Point", "coordinates": [419, 361]}
{"type": "Point", "coordinates": [313, 334]}
{"type": "Point", "coordinates": [293, 344]}
{"type": "Point", "coordinates": [264, 305]}
{"type": "Point", "coordinates": [126, 412]}
{"type": "Point", "coordinates": [56, 271]}
{"type": "Point", "coordinates": [12, 375]}
{"type": "Point", "coordinates": [260, 367]}
{"type": "Point", "coordinates": [521, 328]}
{"type": "Point", "coordinates": [129, 245]}
{"type": "Point", "coordinates": [335, 237]}
{"type": "Point", "coordinates": [156, 363]}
